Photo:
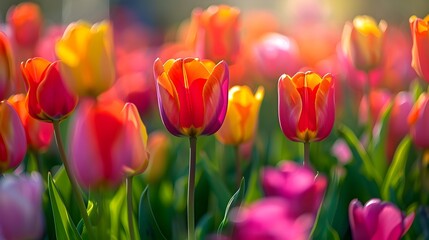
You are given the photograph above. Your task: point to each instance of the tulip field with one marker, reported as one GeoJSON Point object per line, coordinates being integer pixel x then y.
{"type": "Point", "coordinates": [228, 125]}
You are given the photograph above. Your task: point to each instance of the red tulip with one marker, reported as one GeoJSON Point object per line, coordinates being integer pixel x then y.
{"type": "Point", "coordinates": [13, 144]}
{"type": "Point", "coordinates": [306, 106]}
{"type": "Point", "coordinates": [7, 66]}
{"type": "Point", "coordinates": [420, 51]}
{"type": "Point", "coordinates": [192, 95]}
{"type": "Point", "coordinates": [48, 99]}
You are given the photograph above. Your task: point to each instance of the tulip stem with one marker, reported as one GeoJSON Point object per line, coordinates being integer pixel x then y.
{"type": "Point", "coordinates": [191, 187]}
{"type": "Point", "coordinates": [237, 165]}
{"type": "Point", "coordinates": [73, 182]}
{"type": "Point", "coordinates": [367, 92]}
{"type": "Point", "coordinates": [306, 154]}
{"type": "Point", "coordinates": [129, 186]}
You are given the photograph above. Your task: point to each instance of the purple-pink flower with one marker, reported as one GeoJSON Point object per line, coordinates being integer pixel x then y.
{"type": "Point", "coordinates": [378, 220]}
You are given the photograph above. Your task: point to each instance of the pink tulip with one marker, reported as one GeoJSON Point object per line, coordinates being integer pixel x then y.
{"type": "Point", "coordinates": [378, 220]}
{"type": "Point", "coordinates": [21, 207]}
{"type": "Point", "coordinates": [297, 185]}
{"type": "Point", "coordinates": [378, 101]}
{"type": "Point", "coordinates": [418, 120]}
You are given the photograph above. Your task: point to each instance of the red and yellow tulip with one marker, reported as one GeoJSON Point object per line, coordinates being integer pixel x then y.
{"type": "Point", "coordinates": [362, 42]}
{"type": "Point", "coordinates": [108, 143]}
{"type": "Point", "coordinates": [242, 115]}
{"type": "Point", "coordinates": [7, 66]}
{"type": "Point", "coordinates": [13, 145]}
{"type": "Point", "coordinates": [420, 50]}
{"type": "Point", "coordinates": [87, 55]}
{"type": "Point", "coordinates": [306, 106]}
{"type": "Point", "coordinates": [48, 99]}
{"type": "Point", "coordinates": [192, 95]}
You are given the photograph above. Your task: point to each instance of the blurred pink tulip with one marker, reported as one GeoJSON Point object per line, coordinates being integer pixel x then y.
{"type": "Point", "coordinates": [378, 220]}
{"type": "Point", "coordinates": [108, 142]}
{"type": "Point", "coordinates": [418, 120]}
{"type": "Point", "coordinates": [275, 54]}
{"type": "Point", "coordinates": [21, 207]}
{"type": "Point", "coordinates": [270, 218]}
{"type": "Point", "coordinates": [398, 126]}
{"type": "Point", "coordinates": [13, 144]}
{"type": "Point", "coordinates": [378, 101]}
{"type": "Point", "coordinates": [297, 185]}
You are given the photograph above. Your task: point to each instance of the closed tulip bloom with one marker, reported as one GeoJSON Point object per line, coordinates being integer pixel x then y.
{"type": "Point", "coordinates": [87, 55]}
{"type": "Point", "coordinates": [21, 207]}
{"type": "Point", "coordinates": [242, 115]}
{"type": "Point", "coordinates": [420, 50]}
{"type": "Point", "coordinates": [192, 95]}
{"type": "Point", "coordinates": [418, 119]}
{"type": "Point", "coordinates": [39, 134]}
{"type": "Point", "coordinates": [378, 220]}
{"type": "Point", "coordinates": [362, 42]}
{"type": "Point", "coordinates": [13, 144]}
{"type": "Point", "coordinates": [26, 22]}
{"type": "Point", "coordinates": [7, 66]}
{"type": "Point", "coordinates": [48, 99]}
{"type": "Point", "coordinates": [298, 185]}
{"type": "Point", "coordinates": [217, 35]}
{"type": "Point", "coordinates": [107, 143]}
{"type": "Point", "coordinates": [306, 106]}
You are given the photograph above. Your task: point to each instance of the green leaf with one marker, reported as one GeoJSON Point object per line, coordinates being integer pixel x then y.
{"type": "Point", "coordinates": [396, 170]}
{"type": "Point", "coordinates": [64, 226]}
{"type": "Point", "coordinates": [204, 226]}
{"type": "Point", "coordinates": [148, 226]}
{"type": "Point", "coordinates": [235, 201]}
{"type": "Point", "coordinates": [360, 154]}
{"type": "Point", "coordinates": [378, 146]}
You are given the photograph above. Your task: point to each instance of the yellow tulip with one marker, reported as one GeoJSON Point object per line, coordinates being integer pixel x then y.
{"type": "Point", "coordinates": [242, 115]}
{"type": "Point", "coordinates": [87, 55]}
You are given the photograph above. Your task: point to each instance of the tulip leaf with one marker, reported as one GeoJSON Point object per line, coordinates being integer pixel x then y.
{"type": "Point", "coordinates": [117, 208]}
{"type": "Point", "coordinates": [64, 226]}
{"type": "Point", "coordinates": [378, 145]}
{"type": "Point", "coordinates": [359, 153]}
{"type": "Point", "coordinates": [235, 201]}
{"type": "Point", "coordinates": [148, 226]}
{"type": "Point", "coordinates": [204, 226]}
{"type": "Point", "coordinates": [396, 170]}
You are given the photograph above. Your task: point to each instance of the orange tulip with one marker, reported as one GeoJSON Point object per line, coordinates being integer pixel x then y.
{"type": "Point", "coordinates": [192, 95]}
{"type": "Point", "coordinates": [242, 115]}
{"type": "Point", "coordinates": [420, 50]}
{"type": "Point", "coordinates": [26, 22]}
{"type": "Point", "coordinates": [39, 134]}
{"type": "Point", "coordinates": [7, 66]}
{"type": "Point", "coordinates": [48, 99]}
{"type": "Point", "coordinates": [216, 33]}
{"type": "Point", "coordinates": [108, 143]}
{"type": "Point", "coordinates": [306, 106]}
{"type": "Point", "coordinates": [362, 42]}
{"type": "Point", "coordinates": [13, 144]}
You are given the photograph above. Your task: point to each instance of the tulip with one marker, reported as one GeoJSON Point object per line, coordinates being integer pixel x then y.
{"type": "Point", "coordinates": [192, 95]}
{"type": "Point", "coordinates": [87, 54]}
{"type": "Point", "coordinates": [275, 54]}
{"type": "Point", "coordinates": [362, 42]}
{"type": "Point", "coordinates": [38, 133]}
{"type": "Point", "coordinates": [216, 34]}
{"type": "Point", "coordinates": [21, 207]}
{"type": "Point", "coordinates": [108, 143]}
{"type": "Point", "coordinates": [13, 144]}
{"type": "Point", "coordinates": [7, 67]}
{"type": "Point", "coordinates": [270, 218]}
{"type": "Point", "coordinates": [26, 22]}
{"type": "Point", "coordinates": [242, 115]}
{"type": "Point", "coordinates": [418, 119]}
{"type": "Point", "coordinates": [398, 126]}
{"type": "Point", "coordinates": [420, 58]}
{"type": "Point", "coordinates": [306, 106]}
{"type": "Point", "coordinates": [303, 198]}
{"type": "Point", "coordinates": [48, 99]}
{"type": "Point", "coordinates": [378, 220]}
{"type": "Point", "coordinates": [378, 101]}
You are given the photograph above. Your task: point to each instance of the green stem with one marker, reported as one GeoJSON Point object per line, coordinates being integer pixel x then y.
{"type": "Point", "coordinates": [36, 157]}
{"type": "Point", "coordinates": [129, 186]}
{"type": "Point", "coordinates": [237, 165]}
{"type": "Point", "coordinates": [73, 182]}
{"type": "Point", "coordinates": [306, 154]}
{"type": "Point", "coordinates": [369, 114]}
{"type": "Point", "coordinates": [191, 187]}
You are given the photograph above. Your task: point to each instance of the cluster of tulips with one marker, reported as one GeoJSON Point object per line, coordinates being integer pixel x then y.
{"type": "Point", "coordinates": [77, 161]}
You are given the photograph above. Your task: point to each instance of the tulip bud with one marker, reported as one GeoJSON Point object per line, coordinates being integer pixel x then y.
{"type": "Point", "coordinates": [418, 119]}
{"type": "Point", "coordinates": [420, 58]}
{"type": "Point", "coordinates": [7, 66]}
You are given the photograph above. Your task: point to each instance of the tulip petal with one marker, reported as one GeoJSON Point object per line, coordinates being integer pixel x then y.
{"type": "Point", "coordinates": [420, 33]}
{"type": "Point", "coordinates": [290, 106]}
{"type": "Point", "coordinates": [325, 107]}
